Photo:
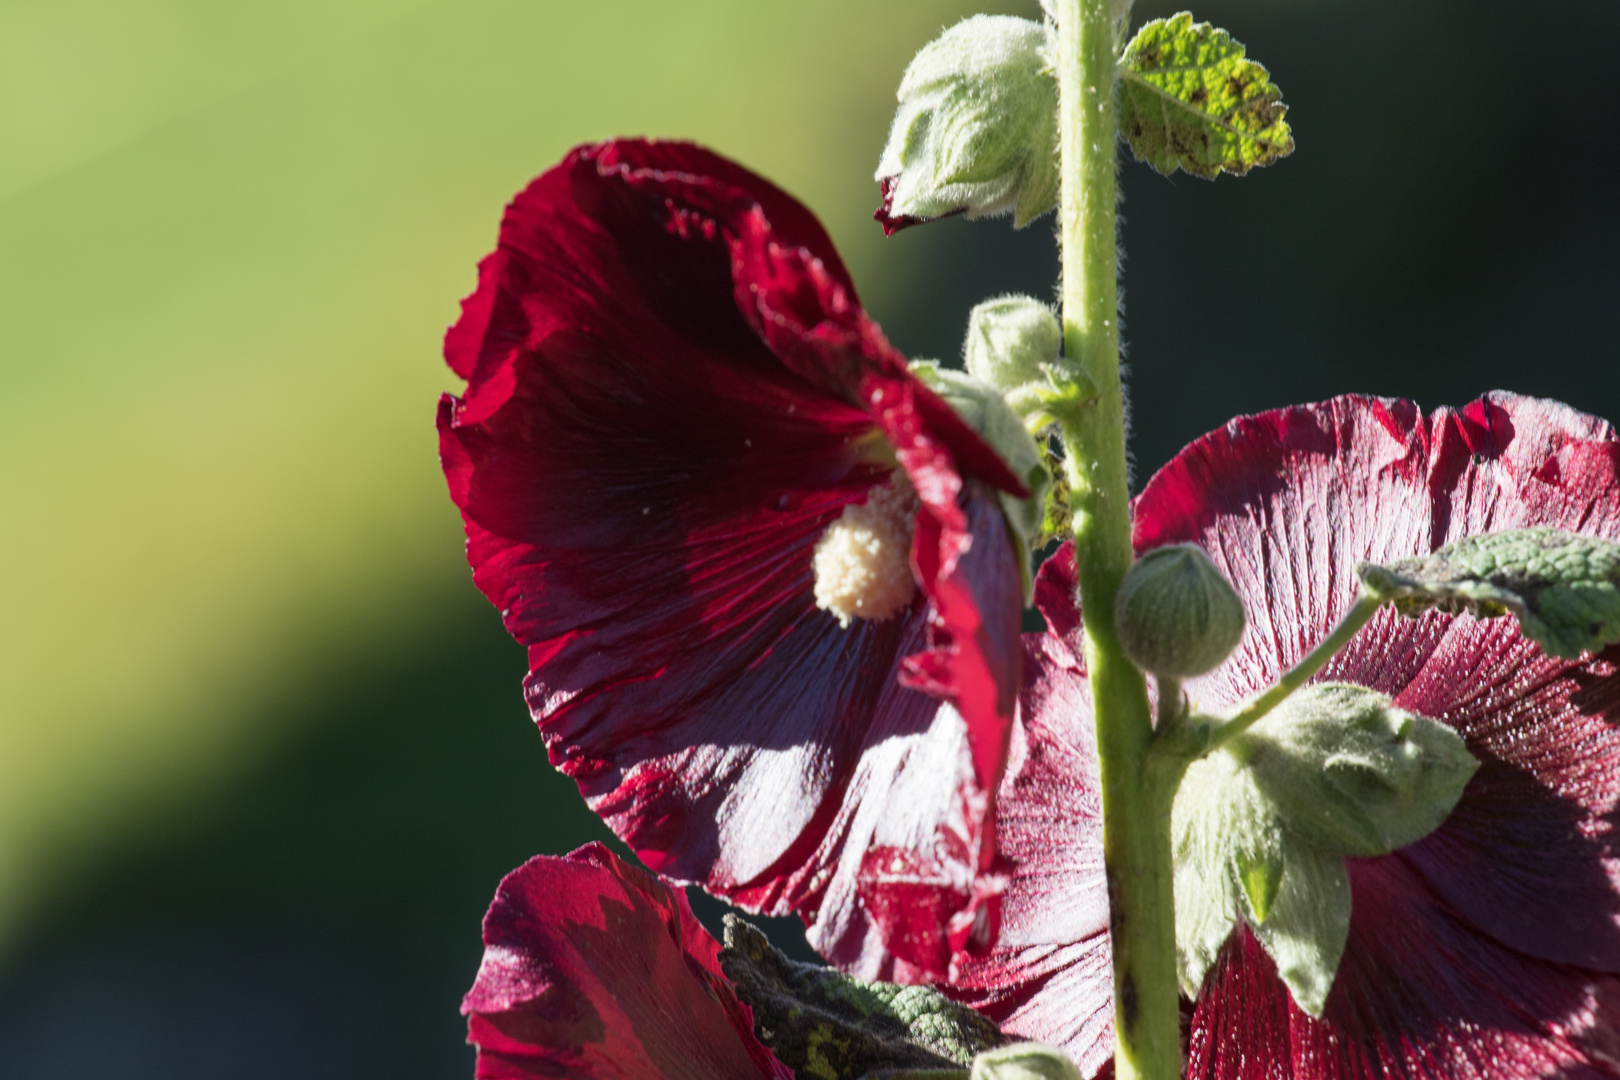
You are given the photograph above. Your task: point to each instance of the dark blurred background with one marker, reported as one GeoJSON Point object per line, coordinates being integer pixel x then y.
{"type": "Point", "coordinates": [263, 755]}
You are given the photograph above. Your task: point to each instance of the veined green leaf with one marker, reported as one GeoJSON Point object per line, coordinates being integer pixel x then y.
{"type": "Point", "coordinates": [1189, 98]}
{"type": "Point", "coordinates": [1564, 589]}
{"type": "Point", "coordinates": [826, 1025]}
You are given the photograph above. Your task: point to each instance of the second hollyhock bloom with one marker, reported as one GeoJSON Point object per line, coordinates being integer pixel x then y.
{"type": "Point", "coordinates": [596, 970]}
{"type": "Point", "coordinates": [769, 595]}
{"type": "Point", "coordinates": [1490, 948]}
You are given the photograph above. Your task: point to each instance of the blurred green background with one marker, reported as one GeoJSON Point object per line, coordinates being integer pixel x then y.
{"type": "Point", "coordinates": [263, 754]}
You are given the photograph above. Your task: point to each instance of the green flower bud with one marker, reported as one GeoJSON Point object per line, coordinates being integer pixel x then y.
{"type": "Point", "coordinates": [986, 411]}
{"type": "Point", "coordinates": [1175, 614]}
{"type": "Point", "coordinates": [1353, 773]}
{"type": "Point", "coordinates": [1009, 339]}
{"type": "Point", "coordinates": [1024, 1061]}
{"type": "Point", "coordinates": [976, 131]}
{"type": "Point", "coordinates": [1261, 827]}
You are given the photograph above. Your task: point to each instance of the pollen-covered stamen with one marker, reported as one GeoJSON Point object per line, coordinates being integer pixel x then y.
{"type": "Point", "coordinates": [863, 560]}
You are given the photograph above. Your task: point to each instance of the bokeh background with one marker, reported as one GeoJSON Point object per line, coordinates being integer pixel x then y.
{"type": "Point", "coordinates": [263, 755]}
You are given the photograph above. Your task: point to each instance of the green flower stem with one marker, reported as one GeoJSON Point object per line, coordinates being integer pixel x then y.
{"type": "Point", "coordinates": [1170, 702]}
{"type": "Point", "coordinates": [1136, 792]}
{"type": "Point", "coordinates": [1364, 608]}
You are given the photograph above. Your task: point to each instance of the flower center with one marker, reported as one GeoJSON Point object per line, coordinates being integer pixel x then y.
{"type": "Point", "coordinates": [863, 560]}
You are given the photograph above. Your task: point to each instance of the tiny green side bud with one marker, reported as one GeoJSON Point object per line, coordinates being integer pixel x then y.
{"type": "Point", "coordinates": [1176, 616]}
{"type": "Point", "coordinates": [1024, 1061]}
{"type": "Point", "coordinates": [976, 131]}
{"type": "Point", "coordinates": [1009, 340]}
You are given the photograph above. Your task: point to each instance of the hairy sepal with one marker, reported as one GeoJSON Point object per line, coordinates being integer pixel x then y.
{"type": "Point", "coordinates": [1261, 828]}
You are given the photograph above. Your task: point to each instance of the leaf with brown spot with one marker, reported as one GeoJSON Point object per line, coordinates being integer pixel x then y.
{"type": "Point", "coordinates": [1563, 588]}
{"type": "Point", "coordinates": [1190, 99]}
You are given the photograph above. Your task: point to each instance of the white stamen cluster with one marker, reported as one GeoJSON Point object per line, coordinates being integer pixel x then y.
{"type": "Point", "coordinates": [863, 560]}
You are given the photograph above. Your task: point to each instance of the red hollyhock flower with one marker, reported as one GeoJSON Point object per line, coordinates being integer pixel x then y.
{"type": "Point", "coordinates": [596, 970]}
{"type": "Point", "coordinates": [1488, 949]}
{"type": "Point", "coordinates": [673, 394]}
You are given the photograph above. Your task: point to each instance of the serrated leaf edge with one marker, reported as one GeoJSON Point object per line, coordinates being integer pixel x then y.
{"type": "Point", "coordinates": [1283, 148]}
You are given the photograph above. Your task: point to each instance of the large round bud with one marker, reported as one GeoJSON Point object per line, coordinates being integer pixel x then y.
{"type": "Point", "coordinates": [1175, 614]}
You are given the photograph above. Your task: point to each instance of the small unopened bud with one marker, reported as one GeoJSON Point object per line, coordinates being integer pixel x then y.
{"type": "Point", "coordinates": [1024, 1061]}
{"type": "Point", "coordinates": [1176, 615]}
{"type": "Point", "coordinates": [1009, 339]}
{"type": "Point", "coordinates": [976, 131]}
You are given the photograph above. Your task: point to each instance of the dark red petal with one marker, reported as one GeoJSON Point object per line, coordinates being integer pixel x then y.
{"type": "Point", "coordinates": [1420, 994]}
{"type": "Point", "coordinates": [1289, 502]}
{"type": "Point", "coordinates": [671, 396]}
{"type": "Point", "coordinates": [893, 223]}
{"type": "Point", "coordinates": [1050, 977]}
{"type": "Point", "coordinates": [1057, 592]}
{"type": "Point", "coordinates": [791, 221]}
{"type": "Point", "coordinates": [595, 970]}
{"type": "Point", "coordinates": [938, 897]}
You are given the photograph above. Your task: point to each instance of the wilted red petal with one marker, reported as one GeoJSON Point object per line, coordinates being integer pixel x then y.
{"type": "Point", "coordinates": [673, 391]}
{"type": "Point", "coordinates": [892, 223]}
{"type": "Point", "coordinates": [594, 970]}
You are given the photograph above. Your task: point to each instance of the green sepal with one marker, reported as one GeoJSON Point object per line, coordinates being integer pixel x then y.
{"type": "Point", "coordinates": [1261, 827]}
{"type": "Point", "coordinates": [1175, 613]}
{"type": "Point", "coordinates": [1012, 341]}
{"type": "Point", "coordinates": [1352, 773]}
{"type": "Point", "coordinates": [1235, 858]}
{"type": "Point", "coordinates": [826, 1025]}
{"type": "Point", "coordinates": [1563, 588]}
{"type": "Point", "coordinates": [1189, 98]}
{"type": "Point", "coordinates": [986, 411]}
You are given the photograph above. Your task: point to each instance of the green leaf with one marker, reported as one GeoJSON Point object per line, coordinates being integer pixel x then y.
{"type": "Point", "coordinates": [1260, 879]}
{"type": "Point", "coordinates": [1189, 98]}
{"type": "Point", "coordinates": [1056, 521]}
{"type": "Point", "coordinates": [1218, 812]}
{"type": "Point", "coordinates": [829, 1026]}
{"type": "Point", "coordinates": [1563, 588]}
